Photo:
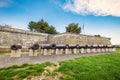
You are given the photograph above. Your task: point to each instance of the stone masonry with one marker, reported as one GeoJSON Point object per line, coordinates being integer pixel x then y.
{"type": "Point", "coordinates": [81, 39]}
{"type": "Point", "coordinates": [10, 36]}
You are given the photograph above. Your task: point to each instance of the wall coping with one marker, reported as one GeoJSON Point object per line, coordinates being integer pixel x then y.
{"type": "Point", "coordinates": [81, 35]}
{"type": "Point", "coordinates": [21, 31]}
{"type": "Point", "coordinates": [15, 30]}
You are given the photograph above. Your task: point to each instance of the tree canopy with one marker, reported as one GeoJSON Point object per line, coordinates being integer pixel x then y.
{"type": "Point", "coordinates": [41, 26]}
{"type": "Point", "coordinates": [97, 35]}
{"type": "Point", "coordinates": [73, 28]}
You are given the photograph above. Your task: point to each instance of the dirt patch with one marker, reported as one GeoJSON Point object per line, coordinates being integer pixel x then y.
{"type": "Point", "coordinates": [49, 74]}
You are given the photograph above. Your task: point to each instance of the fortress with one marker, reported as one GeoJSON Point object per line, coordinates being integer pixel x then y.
{"type": "Point", "coordinates": [10, 36]}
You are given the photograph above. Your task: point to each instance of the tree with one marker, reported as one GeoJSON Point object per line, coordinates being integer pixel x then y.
{"type": "Point", "coordinates": [73, 28]}
{"type": "Point", "coordinates": [51, 30]}
{"type": "Point", "coordinates": [97, 35]}
{"type": "Point", "coordinates": [32, 26]}
{"type": "Point", "coordinates": [41, 26]}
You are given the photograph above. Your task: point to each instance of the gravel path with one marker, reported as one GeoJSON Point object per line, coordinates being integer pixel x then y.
{"type": "Point", "coordinates": [6, 61]}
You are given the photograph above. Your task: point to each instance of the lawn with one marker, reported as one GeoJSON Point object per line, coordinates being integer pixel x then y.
{"type": "Point", "coordinates": [4, 52]}
{"type": "Point", "coordinates": [22, 71]}
{"type": "Point", "coordinates": [118, 50]}
{"type": "Point", "coordinates": [100, 67]}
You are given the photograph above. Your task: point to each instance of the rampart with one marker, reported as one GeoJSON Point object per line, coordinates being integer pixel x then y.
{"type": "Point", "coordinates": [10, 36]}
{"type": "Point", "coordinates": [81, 39]}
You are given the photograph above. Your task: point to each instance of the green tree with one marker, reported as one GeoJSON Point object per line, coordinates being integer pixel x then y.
{"type": "Point", "coordinates": [73, 28]}
{"type": "Point", "coordinates": [97, 35]}
{"type": "Point", "coordinates": [42, 26]}
{"type": "Point", "coordinates": [51, 30]}
{"type": "Point", "coordinates": [32, 26]}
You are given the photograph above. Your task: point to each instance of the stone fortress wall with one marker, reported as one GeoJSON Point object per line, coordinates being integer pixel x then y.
{"type": "Point", "coordinates": [79, 39]}
{"type": "Point", "coordinates": [10, 36]}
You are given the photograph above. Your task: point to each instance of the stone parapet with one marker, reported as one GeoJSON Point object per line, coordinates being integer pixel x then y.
{"type": "Point", "coordinates": [20, 31]}
{"type": "Point", "coordinates": [10, 36]}
{"type": "Point", "coordinates": [69, 38]}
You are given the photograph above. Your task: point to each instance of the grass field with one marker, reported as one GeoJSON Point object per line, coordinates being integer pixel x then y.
{"type": "Point", "coordinates": [118, 50]}
{"type": "Point", "coordinates": [20, 72]}
{"type": "Point", "coordinates": [99, 67]}
{"type": "Point", "coordinates": [4, 52]}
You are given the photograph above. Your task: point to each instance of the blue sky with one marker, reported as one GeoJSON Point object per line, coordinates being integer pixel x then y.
{"type": "Point", "coordinates": [97, 17]}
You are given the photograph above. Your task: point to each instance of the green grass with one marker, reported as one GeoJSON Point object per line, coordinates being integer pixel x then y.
{"type": "Point", "coordinates": [100, 67]}
{"type": "Point", "coordinates": [23, 71]}
{"type": "Point", "coordinates": [4, 52]}
{"type": "Point", "coordinates": [118, 50]}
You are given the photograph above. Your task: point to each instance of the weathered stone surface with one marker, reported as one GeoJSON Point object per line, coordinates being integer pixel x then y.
{"type": "Point", "coordinates": [10, 36]}
{"type": "Point", "coordinates": [79, 39]}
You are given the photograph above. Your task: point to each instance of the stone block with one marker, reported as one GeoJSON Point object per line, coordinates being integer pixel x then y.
{"type": "Point", "coordinates": [94, 50]}
{"type": "Point", "coordinates": [59, 51]}
{"type": "Point", "coordinates": [47, 52]}
{"type": "Point", "coordinates": [32, 52]}
{"type": "Point", "coordinates": [106, 49]}
{"type": "Point", "coordinates": [103, 49]}
{"type": "Point", "coordinates": [15, 53]}
{"type": "Point", "coordinates": [68, 51]}
{"type": "Point", "coordinates": [76, 51]}
{"type": "Point", "coordinates": [88, 50]}
{"type": "Point", "coordinates": [98, 50]}
{"type": "Point", "coordinates": [83, 50]}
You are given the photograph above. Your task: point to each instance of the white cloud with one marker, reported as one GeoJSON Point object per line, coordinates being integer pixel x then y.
{"type": "Point", "coordinates": [95, 7]}
{"type": "Point", "coordinates": [4, 3]}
